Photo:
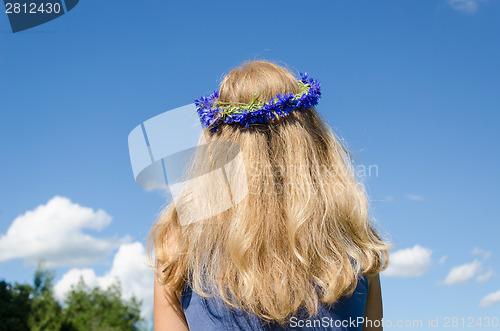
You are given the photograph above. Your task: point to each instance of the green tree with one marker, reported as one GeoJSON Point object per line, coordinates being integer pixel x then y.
{"type": "Point", "coordinates": [104, 310]}
{"type": "Point", "coordinates": [24, 307]}
{"type": "Point", "coordinates": [15, 306]}
{"type": "Point", "coordinates": [46, 312]}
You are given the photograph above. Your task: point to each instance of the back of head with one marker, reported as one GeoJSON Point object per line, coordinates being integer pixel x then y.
{"type": "Point", "coordinates": [300, 236]}
{"type": "Point", "coordinates": [252, 78]}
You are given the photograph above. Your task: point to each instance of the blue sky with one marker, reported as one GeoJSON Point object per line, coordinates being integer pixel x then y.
{"type": "Point", "coordinates": [412, 86]}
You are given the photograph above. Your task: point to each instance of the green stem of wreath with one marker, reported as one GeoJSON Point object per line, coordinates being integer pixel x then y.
{"type": "Point", "coordinates": [254, 104]}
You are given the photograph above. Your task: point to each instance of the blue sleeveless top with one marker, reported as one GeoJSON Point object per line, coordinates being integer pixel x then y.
{"type": "Point", "coordinates": [210, 314]}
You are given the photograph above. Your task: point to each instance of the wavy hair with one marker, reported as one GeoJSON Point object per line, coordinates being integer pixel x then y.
{"type": "Point", "coordinates": [301, 236]}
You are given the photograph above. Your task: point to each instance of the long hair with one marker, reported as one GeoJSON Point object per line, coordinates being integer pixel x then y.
{"type": "Point", "coordinates": [302, 234]}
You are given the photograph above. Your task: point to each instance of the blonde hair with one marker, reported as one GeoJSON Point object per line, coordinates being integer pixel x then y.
{"type": "Point", "coordinates": [300, 237]}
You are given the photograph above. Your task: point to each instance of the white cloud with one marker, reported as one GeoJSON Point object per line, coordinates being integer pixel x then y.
{"type": "Point", "coordinates": [466, 272]}
{"type": "Point", "coordinates": [70, 278]}
{"type": "Point", "coordinates": [443, 259]}
{"type": "Point", "coordinates": [415, 197]}
{"type": "Point", "coordinates": [481, 252]}
{"type": "Point", "coordinates": [129, 266]}
{"type": "Point", "coordinates": [463, 273]}
{"type": "Point", "coordinates": [54, 232]}
{"type": "Point", "coordinates": [465, 6]}
{"type": "Point", "coordinates": [484, 277]}
{"type": "Point", "coordinates": [409, 262]}
{"type": "Point", "coordinates": [490, 299]}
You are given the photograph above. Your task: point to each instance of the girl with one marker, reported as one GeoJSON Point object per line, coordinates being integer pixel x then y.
{"type": "Point", "coordinates": [297, 249]}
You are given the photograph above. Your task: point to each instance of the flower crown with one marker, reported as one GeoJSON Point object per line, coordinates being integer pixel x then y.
{"type": "Point", "coordinates": [213, 113]}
